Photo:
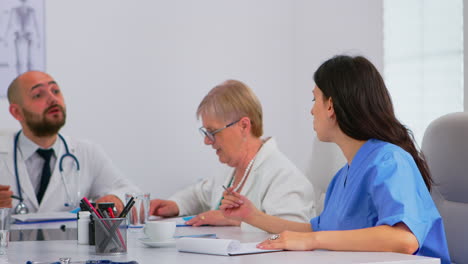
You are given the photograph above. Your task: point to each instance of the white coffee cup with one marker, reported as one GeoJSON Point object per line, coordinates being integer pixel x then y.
{"type": "Point", "coordinates": [159, 231]}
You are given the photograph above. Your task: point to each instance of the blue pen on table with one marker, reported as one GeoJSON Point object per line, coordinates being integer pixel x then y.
{"type": "Point", "coordinates": [186, 218]}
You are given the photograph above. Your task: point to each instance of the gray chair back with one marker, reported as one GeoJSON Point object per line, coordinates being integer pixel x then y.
{"type": "Point", "coordinates": [326, 159]}
{"type": "Point", "coordinates": [445, 146]}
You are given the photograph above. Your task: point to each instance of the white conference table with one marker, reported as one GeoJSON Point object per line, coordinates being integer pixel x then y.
{"type": "Point", "coordinates": [48, 251]}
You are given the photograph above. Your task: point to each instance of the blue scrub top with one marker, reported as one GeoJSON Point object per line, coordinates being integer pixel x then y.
{"type": "Point", "coordinates": [383, 186]}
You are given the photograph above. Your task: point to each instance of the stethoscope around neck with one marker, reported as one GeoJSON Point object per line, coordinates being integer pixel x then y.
{"type": "Point", "coordinates": [21, 207]}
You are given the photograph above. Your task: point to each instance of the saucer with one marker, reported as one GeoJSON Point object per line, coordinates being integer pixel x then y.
{"type": "Point", "coordinates": [148, 242]}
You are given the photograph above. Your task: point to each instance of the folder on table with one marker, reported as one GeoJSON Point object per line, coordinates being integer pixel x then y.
{"type": "Point", "coordinates": [44, 217]}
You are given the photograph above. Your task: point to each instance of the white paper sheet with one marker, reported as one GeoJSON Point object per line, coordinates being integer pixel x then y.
{"type": "Point", "coordinates": [225, 247]}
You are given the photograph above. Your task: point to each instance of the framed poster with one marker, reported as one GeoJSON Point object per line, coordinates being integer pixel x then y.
{"type": "Point", "coordinates": [22, 39]}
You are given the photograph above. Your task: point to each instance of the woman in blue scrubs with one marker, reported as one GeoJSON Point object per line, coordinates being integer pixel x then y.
{"type": "Point", "coordinates": [380, 200]}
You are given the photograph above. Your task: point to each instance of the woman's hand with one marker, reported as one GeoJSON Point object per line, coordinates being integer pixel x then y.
{"type": "Point", "coordinates": [291, 241]}
{"type": "Point", "coordinates": [236, 206]}
{"type": "Point", "coordinates": [383, 238]}
{"type": "Point", "coordinates": [213, 217]}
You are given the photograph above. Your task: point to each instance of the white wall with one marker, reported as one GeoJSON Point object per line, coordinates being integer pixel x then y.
{"type": "Point", "coordinates": [324, 29]}
{"type": "Point", "coordinates": [465, 54]}
{"type": "Point", "coordinates": [133, 73]}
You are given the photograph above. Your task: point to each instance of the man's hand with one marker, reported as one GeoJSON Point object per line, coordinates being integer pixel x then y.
{"type": "Point", "coordinates": [5, 197]}
{"type": "Point", "coordinates": [112, 199]}
{"type": "Point", "coordinates": [164, 208]}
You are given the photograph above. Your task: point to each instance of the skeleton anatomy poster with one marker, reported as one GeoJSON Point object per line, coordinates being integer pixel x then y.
{"type": "Point", "coordinates": [22, 40]}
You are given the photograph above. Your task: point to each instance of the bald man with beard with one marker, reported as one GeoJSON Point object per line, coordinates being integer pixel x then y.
{"type": "Point", "coordinates": [36, 101]}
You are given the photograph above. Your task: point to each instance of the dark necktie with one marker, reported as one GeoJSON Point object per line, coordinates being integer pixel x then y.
{"type": "Point", "coordinates": [46, 154]}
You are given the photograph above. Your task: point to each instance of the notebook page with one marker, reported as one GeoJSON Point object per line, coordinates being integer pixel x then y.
{"type": "Point", "coordinates": [225, 247]}
{"type": "Point", "coordinates": [207, 245]}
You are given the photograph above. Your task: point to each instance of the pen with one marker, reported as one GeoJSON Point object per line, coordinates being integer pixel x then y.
{"type": "Point", "coordinates": [229, 192]}
{"type": "Point", "coordinates": [126, 207]}
{"type": "Point", "coordinates": [36, 262]}
{"type": "Point", "coordinates": [126, 210]}
{"type": "Point", "coordinates": [111, 213]}
{"type": "Point", "coordinates": [100, 212]}
{"type": "Point", "coordinates": [91, 206]}
{"type": "Point", "coordinates": [16, 197]}
{"type": "Point", "coordinates": [105, 214]}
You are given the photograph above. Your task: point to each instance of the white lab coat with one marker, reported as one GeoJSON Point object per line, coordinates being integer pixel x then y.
{"type": "Point", "coordinates": [274, 186]}
{"type": "Point", "coordinates": [97, 176]}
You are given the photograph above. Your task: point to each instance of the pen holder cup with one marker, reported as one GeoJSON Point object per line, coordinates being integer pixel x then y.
{"type": "Point", "coordinates": [111, 236]}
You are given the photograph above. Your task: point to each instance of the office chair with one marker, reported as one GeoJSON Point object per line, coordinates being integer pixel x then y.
{"type": "Point", "coordinates": [445, 146]}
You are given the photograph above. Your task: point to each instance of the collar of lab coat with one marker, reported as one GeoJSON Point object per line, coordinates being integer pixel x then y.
{"type": "Point", "coordinates": [268, 147]}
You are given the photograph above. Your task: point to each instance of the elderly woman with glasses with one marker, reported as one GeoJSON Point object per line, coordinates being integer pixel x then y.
{"type": "Point", "coordinates": [232, 125]}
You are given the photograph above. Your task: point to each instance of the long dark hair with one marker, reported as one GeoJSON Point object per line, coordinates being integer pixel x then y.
{"type": "Point", "coordinates": [363, 106]}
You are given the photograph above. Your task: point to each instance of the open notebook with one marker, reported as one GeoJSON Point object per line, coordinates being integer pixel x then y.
{"type": "Point", "coordinates": [225, 247]}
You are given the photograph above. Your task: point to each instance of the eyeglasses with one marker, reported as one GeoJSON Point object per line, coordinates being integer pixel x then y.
{"type": "Point", "coordinates": [211, 135]}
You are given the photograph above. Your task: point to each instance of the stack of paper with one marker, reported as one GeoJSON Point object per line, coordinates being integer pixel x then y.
{"type": "Point", "coordinates": [225, 247]}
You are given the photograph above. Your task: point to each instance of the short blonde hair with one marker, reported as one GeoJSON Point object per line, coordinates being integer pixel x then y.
{"type": "Point", "coordinates": [231, 101]}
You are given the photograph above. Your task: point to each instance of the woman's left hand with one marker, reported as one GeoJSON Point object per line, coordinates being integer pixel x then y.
{"type": "Point", "coordinates": [291, 241]}
{"type": "Point", "coordinates": [213, 217]}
